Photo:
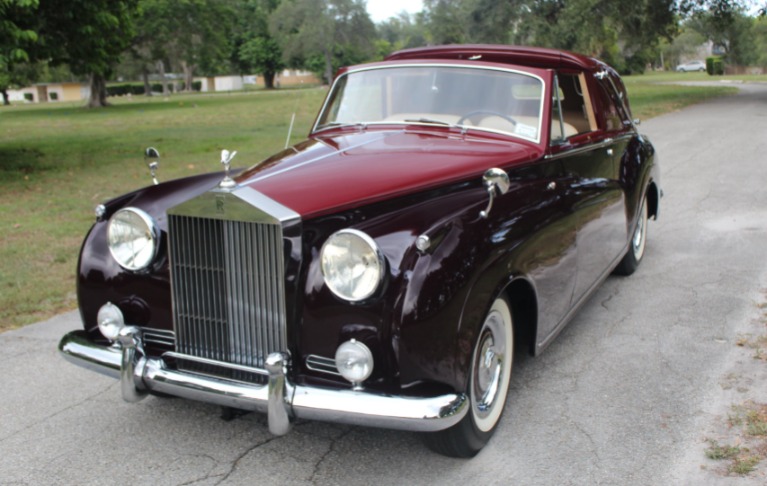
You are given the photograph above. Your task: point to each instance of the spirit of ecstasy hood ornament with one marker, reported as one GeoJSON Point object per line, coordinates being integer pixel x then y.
{"type": "Point", "coordinates": [226, 161]}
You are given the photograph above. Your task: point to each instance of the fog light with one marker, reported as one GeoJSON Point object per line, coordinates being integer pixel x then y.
{"type": "Point", "coordinates": [110, 321]}
{"type": "Point", "coordinates": [354, 361]}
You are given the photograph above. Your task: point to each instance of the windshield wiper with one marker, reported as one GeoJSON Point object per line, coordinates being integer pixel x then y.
{"type": "Point", "coordinates": [330, 125]}
{"type": "Point", "coordinates": [428, 120]}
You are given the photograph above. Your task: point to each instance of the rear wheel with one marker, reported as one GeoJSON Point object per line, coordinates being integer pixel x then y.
{"type": "Point", "coordinates": [489, 379]}
{"type": "Point", "coordinates": [633, 256]}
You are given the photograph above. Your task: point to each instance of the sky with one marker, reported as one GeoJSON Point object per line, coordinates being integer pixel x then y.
{"type": "Point", "coordinates": [381, 10]}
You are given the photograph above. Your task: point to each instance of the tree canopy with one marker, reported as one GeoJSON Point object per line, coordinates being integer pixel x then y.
{"type": "Point", "coordinates": [89, 36]}
{"type": "Point", "coordinates": [17, 35]}
{"type": "Point", "coordinates": [96, 39]}
{"type": "Point", "coordinates": [326, 33]}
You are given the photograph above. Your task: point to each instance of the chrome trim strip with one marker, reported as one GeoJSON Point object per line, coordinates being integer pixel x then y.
{"type": "Point", "coordinates": [266, 204]}
{"type": "Point", "coordinates": [322, 364]}
{"type": "Point", "coordinates": [588, 148]}
{"type": "Point", "coordinates": [159, 336]}
{"type": "Point", "coordinates": [213, 362]}
{"type": "Point", "coordinates": [421, 414]}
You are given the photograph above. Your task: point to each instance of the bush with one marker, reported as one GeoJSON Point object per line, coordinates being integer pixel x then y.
{"type": "Point", "coordinates": [29, 97]}
{"type": "Point", "coordinates": [715, 66]}
{"type": "Point", "coordinates": [54, 96]}
{"type": "Point", "coordinates": [196, 86]}
{"type": "Point", "coordinates": [133, 89]}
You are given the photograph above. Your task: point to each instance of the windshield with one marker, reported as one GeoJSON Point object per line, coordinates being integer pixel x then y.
{"type": "Point", "coordinates": [470, 97]}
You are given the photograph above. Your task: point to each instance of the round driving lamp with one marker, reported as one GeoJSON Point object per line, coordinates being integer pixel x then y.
{"type": "Point", "coordinates": [110, 320]}
{"type": "Point", "coordinates": [133, 238]}
{"type": "Point", "coordinates": [352, 265]}
{"type": "Point", "coordinates": [354, 361]}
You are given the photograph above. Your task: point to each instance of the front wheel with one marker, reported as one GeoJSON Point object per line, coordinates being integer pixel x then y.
{"type": "Point", "coordinates": [489, 379]}
{"type": "Point", "coordinates": [633, 256]}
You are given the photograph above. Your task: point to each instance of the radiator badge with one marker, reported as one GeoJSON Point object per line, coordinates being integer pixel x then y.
{"type": "Point", "coordinates": [220, 204]}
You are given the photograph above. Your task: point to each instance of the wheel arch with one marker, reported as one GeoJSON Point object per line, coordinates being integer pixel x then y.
{"type": "Point", "coordinates": [653, 199]}
{"type": "Point", "coordinates": [522, 298]}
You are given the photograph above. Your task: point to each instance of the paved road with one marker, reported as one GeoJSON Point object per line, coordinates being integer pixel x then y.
{"type": "Point", "coordinates": [626, 395]}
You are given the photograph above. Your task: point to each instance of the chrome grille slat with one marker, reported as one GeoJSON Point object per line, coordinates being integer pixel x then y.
{"type": "Point", "coordinates": [228, 290]}
{"type": "Point", "coordinates": [159, 336]}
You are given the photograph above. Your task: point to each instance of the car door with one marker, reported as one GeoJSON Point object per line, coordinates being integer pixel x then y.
{"type": "Point", "coordinates": [589, 158]}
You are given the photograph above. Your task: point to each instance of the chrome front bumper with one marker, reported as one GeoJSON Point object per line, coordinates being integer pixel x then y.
{"type": "Point", "coordinates": [279, 398]}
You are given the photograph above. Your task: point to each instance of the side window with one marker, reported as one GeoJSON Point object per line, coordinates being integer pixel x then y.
{"type": "Point", "coordinates": [573, 104]}
{"type": "Point", "coordinates": [612, 112]}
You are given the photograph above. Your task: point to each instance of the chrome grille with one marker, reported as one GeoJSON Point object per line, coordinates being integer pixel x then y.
{"type": "Point", "coordinates": [228, 292]}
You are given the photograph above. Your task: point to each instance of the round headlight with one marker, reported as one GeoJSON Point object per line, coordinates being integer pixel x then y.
{"type": "Point", "coordinates": [354, 361]}
{"type": "Point", "coordinates": [352, 264]}
{"type": "Point", "coordinates": [110, 321]}
{"type": "Point", "coordinates": [133, 238]}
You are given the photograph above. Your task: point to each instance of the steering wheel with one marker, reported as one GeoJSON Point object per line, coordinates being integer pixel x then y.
{"type": "Point", "coordinates": [487, 112]}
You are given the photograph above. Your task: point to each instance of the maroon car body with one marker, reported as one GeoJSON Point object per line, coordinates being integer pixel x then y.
{"type": "Point", "coordinates": [567, 204]}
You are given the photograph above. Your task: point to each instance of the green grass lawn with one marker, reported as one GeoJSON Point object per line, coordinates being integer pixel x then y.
{"type": "Point", "coordinates": [59, 160]}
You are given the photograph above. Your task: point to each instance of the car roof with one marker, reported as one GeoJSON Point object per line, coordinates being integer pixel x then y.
{"type": "Point", "coordinates": [518, 55]}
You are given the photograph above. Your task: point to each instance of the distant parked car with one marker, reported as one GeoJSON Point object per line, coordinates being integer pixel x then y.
{"type": "Point", "coordinates": [691, 66]}
{"type": "Point", "coordinates": [448, 204]}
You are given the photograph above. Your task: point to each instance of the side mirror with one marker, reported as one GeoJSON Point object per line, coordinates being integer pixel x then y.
{"type": "Point", "coordinates": [151, 157]}
{"type": "Point", "coordinates": [151, 153]}
{"type": "Point", "coordinates": [495, 181]}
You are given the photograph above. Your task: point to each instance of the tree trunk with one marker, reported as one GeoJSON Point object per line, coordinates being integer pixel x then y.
{"type": "Point", "coordinates": [6, 102]}
{"type": "Point", "coordinates": [188, 75]}
{"type": "Point", "coordinates": [145, 77]}
{"type": "Point", "coordinates": [269, 80]}
{"type": "Point", "coordinates": [161, 68]}
{"type": "Point", "coordinates": [98, 97]}
{"type": "Point", "coordinates": [328, 66]}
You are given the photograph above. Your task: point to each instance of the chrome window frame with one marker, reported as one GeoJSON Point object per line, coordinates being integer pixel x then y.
{"type": "Point", "coordinates": [539, 128]}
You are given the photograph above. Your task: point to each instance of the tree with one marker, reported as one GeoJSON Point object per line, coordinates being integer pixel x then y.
{"type": "Point", "coordinates": [198, 34]}
{"type": "Point", "coordinates": [89, 35]}
{"type": "Point", "coordinates": [323, 34]}
{"type": "Point", "coordinates": [402, 31]}
{"type": "Point", "coordinates": [16, 36]}
{"type": "Point", "coordinates": [732, 33]}
{"type": "Point", "coordinates": [469, 21]}
{"type": "Point", "coordinates": [445, 21]}
{"type": "Point", "coordinates": [148, 50]}
{"type": "Point", "coordinates": [256, 50]}
{"type": "Point", "coordinates": [685, 45]}
{"type": "Point", "coordinates": [264, 55]}
{"type": "Point", "coordinates": [625, 34]}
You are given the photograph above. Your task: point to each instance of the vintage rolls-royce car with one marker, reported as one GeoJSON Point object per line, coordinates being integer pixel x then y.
{"type": "Point", "coordinates": [450, 205]}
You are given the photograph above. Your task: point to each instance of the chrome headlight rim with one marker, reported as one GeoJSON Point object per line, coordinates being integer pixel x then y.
{"type": "Point", "coordinates": [379, 259]}
{"type": "Point", "coordinates": [151, 230]}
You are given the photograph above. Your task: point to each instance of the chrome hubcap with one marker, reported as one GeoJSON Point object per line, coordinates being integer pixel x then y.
{"type": "Point", "coordinates": [488, 366]}
{"type": "Point", "coordinates": [639, 239]}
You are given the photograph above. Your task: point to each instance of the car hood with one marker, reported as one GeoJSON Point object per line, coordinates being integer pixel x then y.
{"type": "Point", "coordinates": [343, 170]}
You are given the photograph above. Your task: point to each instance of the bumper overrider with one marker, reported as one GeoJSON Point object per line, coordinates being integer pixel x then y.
{"type": "Point", "coordinates": [279, 398]}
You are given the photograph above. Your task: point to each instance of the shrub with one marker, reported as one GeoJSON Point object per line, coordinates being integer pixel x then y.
{"type": "Point", "coordinates": [29, 97]}
{"type": "Point", "coordinates": [196, 86]}
{"type": "Point", "coordinates": [715, 66]}
{"type": "Point", "coordinates": [54, 96]}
